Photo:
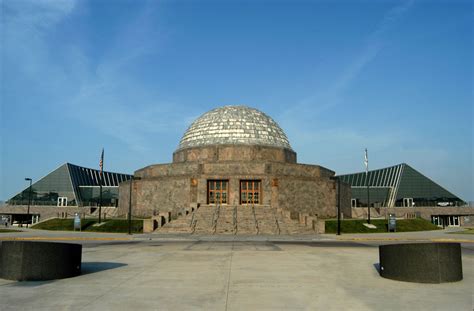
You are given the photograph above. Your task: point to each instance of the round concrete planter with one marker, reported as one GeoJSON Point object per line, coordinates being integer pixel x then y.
{"type": "Point", "coordinates": [421, 262]}
{"type": "Point", "coordinates": [38, 261]}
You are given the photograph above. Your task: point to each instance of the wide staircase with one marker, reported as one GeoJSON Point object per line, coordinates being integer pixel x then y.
{"type": "Point", "coordinates": [232, 219]}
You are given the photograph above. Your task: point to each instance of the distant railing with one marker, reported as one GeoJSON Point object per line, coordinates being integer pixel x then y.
{"type": "Point", "coordinates": [234, 219]}
{"type": "Point", "coordinates": [193, 226]}
{"type": "Point", "coordinates": [55, 204]}
{"type": "Point", "coordinates": [215, 218]}
{"type": "Point", "coordinates": [255, 218]}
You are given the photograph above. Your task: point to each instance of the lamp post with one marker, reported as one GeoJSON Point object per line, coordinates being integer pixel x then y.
{"type": "Point", "coordinates": [130, 204]}
{"type": "Point", "coordinates": [367, 184]}
{"type": "Point", "coordinates": [338, 181]}
{"type": "Point", "coordinates": [29, 201]}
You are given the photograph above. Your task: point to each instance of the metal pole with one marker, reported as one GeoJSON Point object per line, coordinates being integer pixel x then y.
{"type": "Point", "coordinates": [338, 206]}
{"type": "Point", "coordinates": [130, 208]}
{"type": "Point", "coordinates": [29, 202]}
{"type": "Point", "coordinates": [367, 183]}
{"type": "Point", "coordinates": [100, 197]}
{"type": "Point", "coordinates": [368, 200]}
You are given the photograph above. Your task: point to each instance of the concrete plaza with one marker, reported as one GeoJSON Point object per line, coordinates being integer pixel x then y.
{"type": "Point", "coordinates": [159, 272]}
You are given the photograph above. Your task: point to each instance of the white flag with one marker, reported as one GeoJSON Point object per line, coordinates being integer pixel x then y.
{"type": "Point", "coordinates": [366, 161]}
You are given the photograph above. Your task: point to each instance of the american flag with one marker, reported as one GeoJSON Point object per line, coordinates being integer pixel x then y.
{"type": "Point", "coordinates": [366, 161]}
{"type": "Point", "coordinates": [101, 162]}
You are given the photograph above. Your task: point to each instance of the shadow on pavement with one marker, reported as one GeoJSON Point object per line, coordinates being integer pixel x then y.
{"type": "Point", "coordinates": [377, 267]}
{"type": "Point", "coordinates": [93, 267]}
{"type": "Point", "coordinates": [28, 283]}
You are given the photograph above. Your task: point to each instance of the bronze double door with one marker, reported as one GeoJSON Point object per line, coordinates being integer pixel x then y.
{"type": "Point", "coordinates": [218, 191]}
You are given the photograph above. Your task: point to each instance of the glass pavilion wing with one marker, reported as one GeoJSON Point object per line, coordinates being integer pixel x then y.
{"type": "Point", "coordinates": [69, 181]}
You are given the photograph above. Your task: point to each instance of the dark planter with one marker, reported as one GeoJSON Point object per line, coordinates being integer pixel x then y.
{"type": "Point", "coordinates": [39, 261]}
{"type": "Point", "coordinates": [421, 262]}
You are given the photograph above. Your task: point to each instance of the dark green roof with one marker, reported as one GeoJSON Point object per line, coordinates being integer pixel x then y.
{"type": "Point", "coordinates": [70, 181]}
{"type": "Point", "coordinates": [401, 181]}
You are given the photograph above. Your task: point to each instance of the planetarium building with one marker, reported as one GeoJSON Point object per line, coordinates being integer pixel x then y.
{"type": "Point", "coordinates": [234, 160]}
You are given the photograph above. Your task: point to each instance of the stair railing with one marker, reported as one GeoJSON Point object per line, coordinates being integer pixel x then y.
{"type": "Point", "coordinates": [234, 219]}
{"type": "Point", "coordinates": [275, 214]}
{"type": "Point", "coordinates": [215, 218]}
{"type": "Point", "coordinates": [193, 226]}
{"type": "Point", "coordinates": [192, 219]}
{"type": "Point", "coordinates": [255, 218]}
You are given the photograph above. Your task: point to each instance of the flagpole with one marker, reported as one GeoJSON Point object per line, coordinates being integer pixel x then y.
{"type": "Point", "coordinates": [367, 183]}
{"type": "Point", "coordinates": [101, 164]}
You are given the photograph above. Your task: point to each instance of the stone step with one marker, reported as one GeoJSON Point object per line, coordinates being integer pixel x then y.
{"type": "Point", "coordinates": [246, 216]}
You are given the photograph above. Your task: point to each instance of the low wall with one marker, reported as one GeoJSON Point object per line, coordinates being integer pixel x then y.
{"type": "Point", "coordinates": [56, 211]}
{"type": "Point", "coordinates": [424, 212]}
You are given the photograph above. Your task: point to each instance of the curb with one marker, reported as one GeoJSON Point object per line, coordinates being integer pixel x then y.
{"type": "Point", "coordinates": [406, 239]}
{"type": "Point", "coordinates": [62, 239]}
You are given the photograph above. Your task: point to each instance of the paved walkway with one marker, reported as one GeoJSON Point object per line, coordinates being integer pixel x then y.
{"type": "Point", "coordinates": [447, 235]}
{"type": "Point", "coordinates": [156, 272]}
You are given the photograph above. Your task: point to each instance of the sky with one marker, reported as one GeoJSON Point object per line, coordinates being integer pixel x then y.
{"type": "Point", "coordinates": [130, 76]}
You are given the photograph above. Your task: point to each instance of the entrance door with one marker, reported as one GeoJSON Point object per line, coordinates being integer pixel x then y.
{"type": "Point", "coordinates": [437, 220]}
{"type": "Point", "coordinates": [454, 221]}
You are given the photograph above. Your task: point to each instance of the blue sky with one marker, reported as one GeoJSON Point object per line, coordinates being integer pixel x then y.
{"type": "Point", "coordinates": [338, 76]}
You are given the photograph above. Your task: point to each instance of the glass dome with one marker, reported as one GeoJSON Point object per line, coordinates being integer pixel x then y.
{"type": "Point", "coordinates": [234, 125]}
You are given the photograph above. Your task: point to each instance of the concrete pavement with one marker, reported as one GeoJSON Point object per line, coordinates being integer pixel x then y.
{"type": "Point", "coordinates": [156, 272]}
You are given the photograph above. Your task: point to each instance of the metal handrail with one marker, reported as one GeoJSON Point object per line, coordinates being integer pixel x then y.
{"type": "Point", "coordinates": [255, 218]}
{"type": "Point", "coordinates": [215, 218]}
{"type": "Point", "coordinates": [234, 219]}
{"type": "Point", "coordinates": [192, 219]}
{"type": "Point", "coordinates": [193, 226]}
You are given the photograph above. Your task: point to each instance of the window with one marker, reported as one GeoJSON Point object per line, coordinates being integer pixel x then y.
{"type": "Point", "coordinates": [250, 191]}
{"type": "Point", "coordinates": [217, 191]}
{"type": "Point", "coordinates": [62, 201]}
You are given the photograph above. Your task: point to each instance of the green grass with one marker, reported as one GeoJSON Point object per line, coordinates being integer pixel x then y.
{"type": "Point", "coordinates": [110, 225]}
{"type": "Point", "coordinates": [9, 230]}
{"type": "Point", "coordinates": [467, 231]}
{"type": "Point", "coordinates": [356, 225]}
{"type": "Point", "coordinates": [119, 225]}
{"type": "Point", "coordinates": [61, 224]}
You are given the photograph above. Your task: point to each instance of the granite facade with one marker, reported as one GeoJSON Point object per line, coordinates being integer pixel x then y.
{"type": "Point", "coordinates": [219, 153]}
{"type": "Point", "coordinates": [173, 187]}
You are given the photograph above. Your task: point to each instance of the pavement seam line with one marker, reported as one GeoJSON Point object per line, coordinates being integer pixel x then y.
{"type": "Point", "coordinates": [228, 276]}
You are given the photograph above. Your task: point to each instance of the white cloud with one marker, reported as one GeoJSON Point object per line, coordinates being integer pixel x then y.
{"type": "Point", "coordinates": [98, 93]}
{"type": "Point", "coordinates": [25, 24]}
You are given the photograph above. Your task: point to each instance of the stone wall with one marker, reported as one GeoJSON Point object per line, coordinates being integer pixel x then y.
{"type": "Point", "coordinates": [311, 196]}
{"type": "Point", "coordinates": [222, 153]}
{"type": "Point", "coordinates": [172, 187]}
{"type": "Point", "coordinates": [151, 196]}
{"type": "Point", "coordinates": [170, 169]}
{"type": "Point", "coordinates": [45, 211]}
{"type": "Point", "coordinates": [346, 200]}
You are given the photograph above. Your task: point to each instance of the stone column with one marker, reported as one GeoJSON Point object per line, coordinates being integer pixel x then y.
{"type": "Point", "coordinates": [234, 191]}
